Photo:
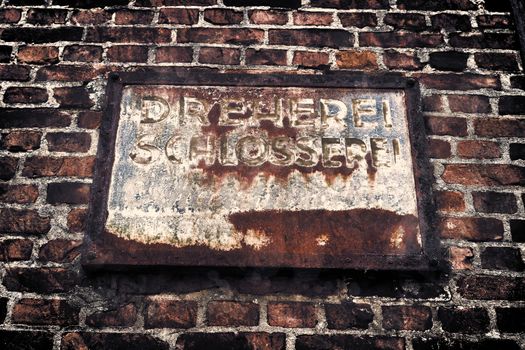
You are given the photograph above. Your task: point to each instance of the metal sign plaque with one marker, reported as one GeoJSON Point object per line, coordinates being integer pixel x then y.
{"type": "Point", "coordinates": [239, 170]}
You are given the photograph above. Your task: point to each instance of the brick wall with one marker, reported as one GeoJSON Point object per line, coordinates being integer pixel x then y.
{"type": "Point", "coordinates": [55, 58]}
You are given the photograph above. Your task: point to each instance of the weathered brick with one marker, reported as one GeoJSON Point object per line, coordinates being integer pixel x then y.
{"type": "Point", "coordinates": [433, 103]}
{"type": "Point", "coordinates": [454, 344]}
{"type": "Point", "coordinates": [358, 19]}
{"type": "Point", "coordinates": [310, 37]}
{"type": "Point", "coordinates": [352, 59]}
{"type": "Point", "coordinates": [122, 316]}
{"type": "Point", "coordinates": [46, 16]}
{"type": "Point", "coordinates": [497, 6]}
{"type": "Point", "coordinates": [484, 41]}
{"type": "Point", "coordinates": [178, 16]}
{"type": "Point", "coordinates": [11, 72]}
{"type": "Point", "coordinates": [267, 17]}
{"type": "Point", "coordinates": [343, 341]}
{"type": "Point", "coordinates": [89, 119]}
{"type": "Point", "coordinates": [42, 35]}
{"type": "Point", "coordinates": [439, 149]}
{"type": "Point", "coordinates": [408, 21]}
{"type": "Point", "coordinates": [164, 313]}
{"type": "Point", "coordinates": [501, 258]}
{"type": "Point", "coordinates": [68, 72]}
{"type": "Point", "coordinates": [25, 95]}
{"type": "Point", "coordinates": [497, 61]}
{"type": "Point", "coordinates": [512, 105]}
{"type": "Point", "coordinates": [510, 319]}
{"type": "Point", "coordinates": [451, 22]}
{"type": "Point", "coordinates": [461, 258]}
{"type": "Point", "coordinates": [111, 341]}
{"type": "Point", "coordinates": [124, 17]}
{"type": "Point", "coordinates": [348, 315]}
{"type": "Point", "coordinates": [5, 53]}
{"type": "Point", "coordinates": [494, 21]}
{"type": "Point", "coordinates": [128, 35]}
{"type": "Point", "coordinates": [90, 3]}
{"type": "Point", "coordinates": [292, 315]}
{"type": "Point", "coordinates": [403, 317]}
{"type": "Point", "coordinates": [219, 55]}
{"type": "Point", "coordinates": [90, 17]}
{"type": "Point", "coordinates": [400, 39]}
{"type": "Point", "coordinates": [472, 229]}
{"type": "Point", "coordinates": [171, 54]}
{"type": "Point", "coordinates": [3, 310]}
{"type": "Point", "coordinates": [266, 57]}
{"type": "Point", "coordinates": [450, 201]}
{"type": "Point", "coordinates": [76, 220]}
{"type": "Point", "coordinates": [72, 97]}
{"type": "Point", "coordinates": [517, 151]}
{"type": "Point", "coordinates": [19, 194]}
{"type": "Point", "coordinates": [44, 312]}
{"type": "Point", "coordinates": [10, 15]}
{"type": "Point", "coordinates": [402, 60]}
{"type": "Point", "coordinates": [469, 103]}
{"type": "Point", "coordinates": [478, 149]}
{"type": "Point", "coordinates": [21, 141]}
{"type": "Point", "coordinates": [127, 53]}
{"type": "Point", "coordinates": [66, 166]}
{"type": "Point", "coordinates": [222, 16]}
{"type": "Point", "coordinates": [517, 228]}
{"type": "Point", "coordinates": [484, 174]}
{"type": "Point", "coordinates": [351, 4]}
{"type": "Point", "coordinates": [240, 36]}
{"type": "Point", "coordinates": [60, 251]}
{"type": "Point", "coordinates": [232, 313]}
{"type": "Point", "coordinates": [68, 142]}
{"type": "Point", "coordinates": [232, 341]}
{"type": "Point", "coordinates": [449, 60]}
{"type": "Point", "coordinates": [494, 202]}
{"type": "Point", "coordinates": [38, 54]}
{"type": "Point", "coordinates": [23, 221]}
{"type": "Point", "coordinates": [464, 320]}
{"type": "Point", "coordinates": [40, 279]}
{"type": "Point", "coordinates": [491, 287]}
{"type": "Point", "coordinates": [8, 167]}
{"type": "Point", "coordinates": [15, 250]}
{"type": "Point", "coordinates": [436, 5]}
{"type": "Point", "coordinates": [68, 193]}
{"type": "Point", "coordinates": [83, 53]}
{"type": "Point", "coordinates": [305, 18]}
{"type": "Point", "coordinates": [465, 81]}
{"type": "Point", "coordinates": [451, 126]}
{"type": "Point", "coordinates": [26, 340]}
{"type": "Point", "coordinates": [493, 127]}
{"type": "Point", "coordinates": [33, 118]}
{"type": "Point", "coordinates": [309, 59]}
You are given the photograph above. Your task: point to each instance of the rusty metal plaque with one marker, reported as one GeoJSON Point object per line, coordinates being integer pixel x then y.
{"type": "Point", "coordinates": [269, 171]}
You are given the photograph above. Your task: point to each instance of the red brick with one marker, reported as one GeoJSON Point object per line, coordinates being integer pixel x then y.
{"type": "Point", "coordinates": [354, 4]}
{"type": "Point", "coordinates": [472, 229]}
{"type": "Point", "coordinates": [450, 201]}
{"type": "Point", "coordinates": [351, 59]}
{"type": "Point", "coordinates": [76, 220]}
{"type": "Point", "coordinates": [495, 287]}
{"type": "Point", "coordinates": [66, 166]}
{"type": "Point", "coordinates": [68, 72]}
{"type": "Point", "coordinates": [478, 149]}
{"type": "Point", "coordinates": [446, 126]}
{"type": "Point", "coordinates": [465, 81]}
{"type": "Point", "coordinates": [305, 18]}
{"type": "Point", "coordinates": [433, 103]}
{"type": "Point", "coordinates": [348, 315]}
{"type": "Point", "coordinates": [60, 251]}
{"type": "Point", "coordinates": [437, 5]}
{"type": "Point", "coordinates": [83, 53]}
{"type": "Point", "coordinates": [42, 35]}
{"type": "Point", "coordinates": [40, 279]}
{"type": "Point", "coordinates": [73, 97]}
{"type": "Point", "coordinates": [268, 17]}
{"type": "Point", "coordinates": [68, 193]}
{"type": "Point", "coordinates": [232, 341]}
{"type": "Point", "coordinates": [400, 39]}
{"type": "Point", "coordinates": [11, 72]}
{"type": "Point", "coordinates": [494, 21]}
{"type": "Point", "coordinates": [178, 16]}
{"type": "Point", "coordinates": [451, 22]}
{"type": "Point", "coordinates": [222, 16]}
{"type": "Point", "coordinates": [232, 313]}
{"type": "Point", "coordinates": [133, 17]}
{"type": "Point", "coordinates": [404, 317]}
{"type": "Point", "coordinates": [10, 15]}
{"type": "Point", "coordinates": [46, 16]}
{"type": "Point", "coordinates": [38, 54]}
{"type": "Point", "coordinates": [266, 57]}
{"type": "Point", "coordinates": [123, 316]}
{"type": "Point", "coordinates": [163, 313]}
{"type": "Point", "coordinates": [19, 194]}
{"type": "Point", "coordinates": [484, 174]}
{"type": "Point", "coordinates": [502, 258]}
{"type": "Point", "coordinates": [171, 54]}
{"type": "Point", "coordinates": [219, 55]}
{"type": "Point", "coordinates": [33, 118]}
{"type": "Point", "coordinates": [402, 60]}
{"type": "Point", "coordinates": [15, 250]}
{"type": "Point", "coordinates": [358, 19]}
{"type": "Point", "coordinates": [128, 53]}
{"type": "Point", "coordinates": [500, 127]}
{"type": "Point", "coordinates": [111, 341]}
{"type": "Point", "coordinates": [44, 312]}
{"type": "Point", "coordinates": [291, 315]}
{"type": "Point", "coordinates": [484, 40]}
{"type": "Point", "coordinates": [461, 258]}
{"type": "Point", "coordinates": [309, 59]}
{"type": "Point", "coordinates": [23, 221]}
{"type": "Point", "coordinates": [25, 95]}
{"type": "Point", "coordinates": [8, 167]}
{"type": "Point", "coordinates": [494, 202]}
{"type": "Point", "coordinates": [21, 141]}
{"type": "Point", "coordinates": [240, 36]}
{"type": "Point", "coordinates": [346, 341]}
{"type": "Point", "coordinates": [497, 61]}
{"type": "Point", "coordinates": [90, 17]}
{"type": "Point", "coordinates": [464, 320]}
{"type": "Point", "coordinates": [439, 149]}
{"type": "Point", "coordinates": [407, 21]}
{"type": "Point", "coordinates": [311, 37]}
{"type": "Point", "coordinates": [128, 35]}
{"type": "Point", "coordinates": [68, 142]}
{"type": "Point", "coordinates": [469, 103]}
{"type": "Point", "coordinates": [89, 119]}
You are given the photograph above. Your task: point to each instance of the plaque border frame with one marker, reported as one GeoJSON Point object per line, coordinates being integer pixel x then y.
{"type": "Point", "coordinates": [100, 253]}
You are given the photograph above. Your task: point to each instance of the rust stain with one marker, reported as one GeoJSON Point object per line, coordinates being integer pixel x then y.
{"type": "Point", "coordinates": [337, 232]}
